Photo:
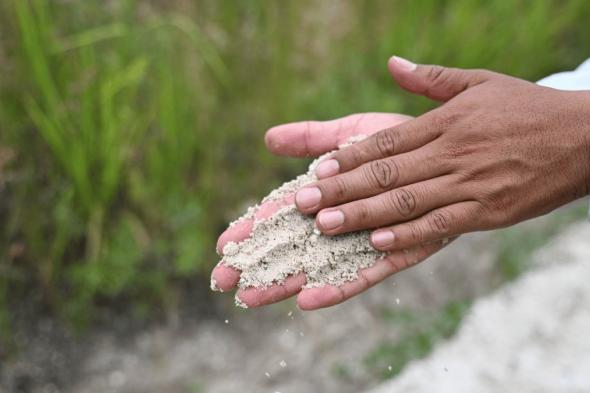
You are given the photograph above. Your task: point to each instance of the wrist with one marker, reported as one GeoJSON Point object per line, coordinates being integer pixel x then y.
{"type": "Point", "coordinates": [585, 136]}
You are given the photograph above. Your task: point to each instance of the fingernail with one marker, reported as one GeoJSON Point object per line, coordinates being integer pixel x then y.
{"type": "Point", "coordinates": [404, 64]}
{"type": "Point", "coordinates": [327, 168]}
{"type": "Point", "coordinates": [306, 198]}
{"type": "Point", "coordinates": [331, 219]}
{"type": "Point", "coordinates": [382, 239]}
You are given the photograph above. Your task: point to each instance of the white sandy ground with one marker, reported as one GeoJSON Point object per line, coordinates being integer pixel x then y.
{"type": "Point", "coordinates": [531, 336]}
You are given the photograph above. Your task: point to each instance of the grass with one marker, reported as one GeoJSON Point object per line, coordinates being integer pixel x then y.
{"type": "Point", "coordinates": [420, 332]}
{"type": "Point", "coordinates": [136, 127]}
{"type": "Point", "coordinates": [516, 245]}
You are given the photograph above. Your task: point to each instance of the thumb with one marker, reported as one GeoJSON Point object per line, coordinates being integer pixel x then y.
{"type": "Point", "coordinates": [433, 81]}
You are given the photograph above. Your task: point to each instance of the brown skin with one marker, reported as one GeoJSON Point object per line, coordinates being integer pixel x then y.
{"type": "Point", "coordinates": [500, 150]}
{"type": "Point", "coordinates": [305, 139]}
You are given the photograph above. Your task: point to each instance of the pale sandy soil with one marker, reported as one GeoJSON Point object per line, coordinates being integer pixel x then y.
{"type": "Point", "coordinates": [531, 336]}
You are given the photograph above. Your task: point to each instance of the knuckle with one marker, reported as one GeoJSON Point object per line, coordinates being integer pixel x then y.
{"type": "Point", "coordinates": [454, 151]}
{"type": "Point", "coordinates": [386, 142]}
{"type": "Point", "coordinates": [355, 156]}
{"type": "Point", "coordinates": [497, 196]}
{"type": "Point", "coordinates": [439, 78]}
{"type": "Point", "coordinates": [384, 173]}
{"type": "Point", "coordinates": [441, 121]}
{"type": "Point", "coordinates": [338, 188]}
{"type": "Point", "coordinates": [468, 177]}
{"type": "Point", "coordinates": [446, 118]}
{"type": "Point", "coordinates": [360, 214]}
{"type": "Point", "coordinates": [490, 214]}
{"type": "Point", "coordinates": [440, 222]}
{"type": "Point", "coordinates": [436, 74]}
{"type": "Point", "coordinates": [403, 201]}
{"type": "Point", "coordinates": [349, 157]}
{"type": "Point", "coordinates": [416, 232]}
{"type": "Point", "coordinates": [498, 218]}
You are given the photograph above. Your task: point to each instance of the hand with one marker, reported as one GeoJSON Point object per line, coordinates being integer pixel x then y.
{"type": "Point", "coordinates": [313, 139]}
{"type": "Point", "coordinates": [500, 150]}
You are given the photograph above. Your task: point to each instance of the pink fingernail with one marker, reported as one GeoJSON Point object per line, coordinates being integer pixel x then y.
{"type": "Point", "coordinates": [404, 64]}
{"type": "Point", "coordinates": [382, 239]}
{"type": "Point", "coordinates": [327, 168]}
{"type": "Point", "coordinates": [331, 219]}
{"type": "Point", "coordinates": [306, 198]}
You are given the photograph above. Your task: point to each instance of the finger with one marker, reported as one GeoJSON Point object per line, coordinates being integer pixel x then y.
{"type": "Point", "coordinates": [314, 298]}
{"type": "Point", "coordinates": [224, 277]}
{"type": "Point", "coordinates": [242, 229]}
{"type": "Point", "coordinates": [371, 179]}
{"type": "Point", "coordinates": [236, 233]}
{"type": "Point", "coordinates": [312, 138]}
{"type": "Point", "coordinates": [256, 297]}
{"type": "Point", "coordinates": [398, 205]}
{"type": "Point", "coordinates": [389, 142]}
{"type": "Point", "coordinates": [433, 81]}
{"type": "Point", "coordinates": [436, 225]}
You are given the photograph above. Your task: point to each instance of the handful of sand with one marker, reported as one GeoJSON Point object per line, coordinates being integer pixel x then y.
{"type": "Point", "coordinates": [288, 243]}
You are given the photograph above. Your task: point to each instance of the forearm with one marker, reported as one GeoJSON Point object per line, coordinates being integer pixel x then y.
{"type": "Point", "coordinates": [580, 121]}
{"type": "Point", "coordinates": [586, 139]}
{"type": "Point", "coordinates": [586, 136]}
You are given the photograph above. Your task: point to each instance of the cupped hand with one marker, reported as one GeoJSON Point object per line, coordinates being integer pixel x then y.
{"type": "Point", "coordinates": [500, 150]}
{"type": "Point", "coordinates": [304, 139]}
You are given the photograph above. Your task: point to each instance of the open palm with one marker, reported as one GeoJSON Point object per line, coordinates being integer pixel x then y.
{"type": "Point", "coordinates": [311, 139]}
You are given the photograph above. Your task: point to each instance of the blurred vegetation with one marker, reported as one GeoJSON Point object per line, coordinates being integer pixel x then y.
{"type": "Point", "coordinates": [517, 245]}
{"type": "Point", "coordinates": [420, 331]}
{"type": "Point", "coordinates": [131, 131]}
